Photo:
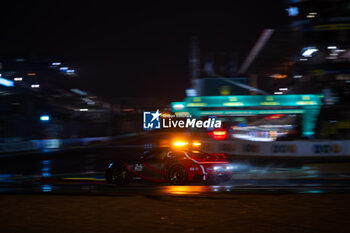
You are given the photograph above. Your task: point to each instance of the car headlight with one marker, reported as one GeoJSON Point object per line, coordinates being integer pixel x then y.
{"type": "Point", "coordinates": [222, 168]}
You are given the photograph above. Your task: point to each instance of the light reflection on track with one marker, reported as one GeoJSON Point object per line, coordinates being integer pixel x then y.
{"type": "Point", "coordinates": [81, 171]}
{"type": "Point", "coordinates": [95, 185]}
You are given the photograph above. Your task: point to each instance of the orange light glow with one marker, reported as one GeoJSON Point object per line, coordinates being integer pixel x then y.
{"type": "Point", "coordinates": [128, 109]}
{"type": "Point", "coordinates": [184, 190]}
{"type": "Point", "coordinates": [279, 76]}
{"type": "Point", "coordinates": [180, 143]}
{"type": "Point", "coordinates": [196, 144]}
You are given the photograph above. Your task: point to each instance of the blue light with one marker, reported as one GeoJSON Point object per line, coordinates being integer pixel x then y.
{"type": "Point", "coordinates": [45, 170]}
{"type": "Point", "coordinates": [6, 82]}
{"type": "Point", "coordinates": [46, 188]}
{"type": "Point", "coordinates": [293, 11]}
{"type": "Point", "coordinates": [314, 191]}
{"type": "Point", "coordinates": [45, 118]}
{"type": "Point", "coordinates": [110, 165]}
{"type": "Point", "coordinates": [64, 69]}
{"type": "Point", "coordinates": [46, 162]}
{"type": "Point", "coordinates": [191, 92]}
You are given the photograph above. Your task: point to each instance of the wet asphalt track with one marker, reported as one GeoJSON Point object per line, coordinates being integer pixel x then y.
{"type": "Point", "coordinates": [80, 171]}
{"type": "Point", "coordinates": [264, 195]}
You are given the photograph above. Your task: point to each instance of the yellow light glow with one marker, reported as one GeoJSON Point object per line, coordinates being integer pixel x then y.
{"type": "Point", "coordinates": [184, 190]}
{"type": "Point", "coordinates": [196, 144]}
{"type": "Point", "coordinates": [166, 115]}
{"type": "Point", "coordinates": [180, 143]}
{"type": "Point", "coordinates": [219, 132]}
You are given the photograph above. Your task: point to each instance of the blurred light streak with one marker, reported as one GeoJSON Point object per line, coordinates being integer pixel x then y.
{"type": "Point", "coordinates": [45, 118]}
{"type": "Point", "coordinates": [46, 188]}
{"type": "Point", "coordinates": [184, 190]}
{"type": "Point", "coordinates": [264, 37]}
{"type": "Point", "coordinates": [77, 91]}
{"type": "Point", "coordinates": [6, 82]}
{"type": "Point", "coordinates": [307, 52]}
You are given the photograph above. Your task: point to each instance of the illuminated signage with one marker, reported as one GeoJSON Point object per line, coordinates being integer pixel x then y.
{"type": "Point", "coordinates": [248, 101]}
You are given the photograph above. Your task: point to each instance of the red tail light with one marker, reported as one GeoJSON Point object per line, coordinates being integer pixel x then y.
{"type": "Point", "coordinates": [219, 134]}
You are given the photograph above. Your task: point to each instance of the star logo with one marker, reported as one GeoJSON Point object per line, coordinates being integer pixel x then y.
{"type": "Point", "coordinates": [155, 115]}
{"type": "Point", "coordinates": [151, 120]}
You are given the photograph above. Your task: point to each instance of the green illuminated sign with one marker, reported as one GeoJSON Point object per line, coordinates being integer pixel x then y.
{"type": "Point", "coordinates": [307, 105]}
{"type": "Point", "coordinates": [252, 100]}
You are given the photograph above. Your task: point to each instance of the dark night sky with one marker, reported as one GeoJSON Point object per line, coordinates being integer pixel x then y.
{"type": "Point", "coordinates": [132, 49]}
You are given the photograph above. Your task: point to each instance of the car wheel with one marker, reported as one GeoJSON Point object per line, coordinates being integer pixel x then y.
{"type": "Point", "coordinates": [178, 175]}
{"type": "Point", "coordinates": [118, 174]}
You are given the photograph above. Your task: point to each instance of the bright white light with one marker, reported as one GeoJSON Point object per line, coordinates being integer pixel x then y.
{"type": "Point", "coordinates": [332, 47]}
{"type": "Point", "coordinates": [83, 110]}
{"type": "Point", "coordinates": [311, 15]}
{"type": "Point", "coordinates": [303, 59]}
{"type": "Point", "coordinates": [252, 138]}
{"type": "Point", "coordinates": [63, 68]}
{"type": "Point", "coordinates": [297, 76]}
{"type": "Point", "coordinates": [56, 63]}
{"type": "Point", "coordinates": [276, 126]}
{"type": "Point", "coordinates": [278, 92]}
{"type": "Point", "coordinates": [45, 118]}
{"type": "Point", "coordinates": [18, 79]}
{"type": "Point", "coordinates": [35, 86]}
{"type": "Point", "coordinates": [283, 89]}
{"type": "Point", "coordinates": [178, 106]}
{"type": "Point", "coordinates": [309, 51]}
{"type": "Point", "coordinates": [217, 168]}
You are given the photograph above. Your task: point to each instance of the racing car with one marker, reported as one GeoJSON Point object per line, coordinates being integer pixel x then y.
{"type": "Point", "coordinates": [175, 165]}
